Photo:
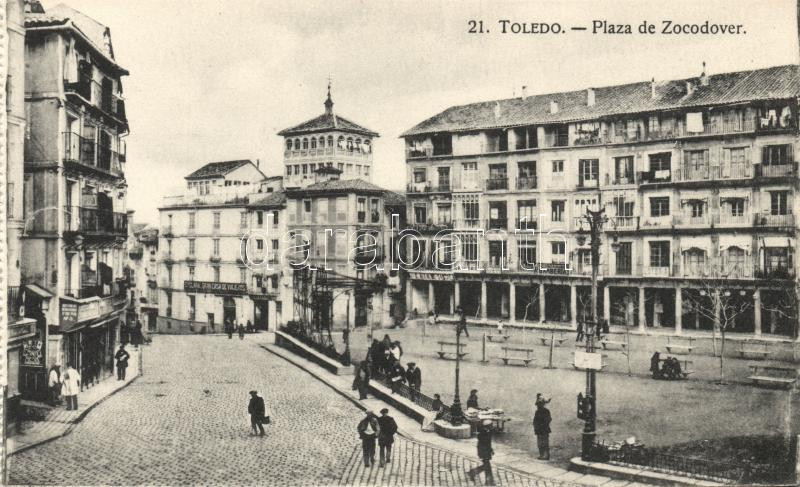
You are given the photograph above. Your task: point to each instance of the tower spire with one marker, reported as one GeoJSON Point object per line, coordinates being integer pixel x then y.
{"type": "Point", "coordinates": [329, 101]}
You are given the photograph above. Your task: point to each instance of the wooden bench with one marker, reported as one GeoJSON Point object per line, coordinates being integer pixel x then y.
{"type": "Point", "coordinates": [517, 353]}
{"type": "Point", "coordinates": [497, 337]}
{"type": "Point", "coordinates": [686, 366]}
{"type": "Point", "coordinates": [448, 349]}
{"type": "Point", "coordinates": [754, 351]}
{"type": "Point", "coordinates": [558, 339]}
{"type": "Point", "coordinates": [773, 376]}
{"type": "Point", "coordinates": [613, 343]}
{"type": "Point", "coordinates": [680, 346]}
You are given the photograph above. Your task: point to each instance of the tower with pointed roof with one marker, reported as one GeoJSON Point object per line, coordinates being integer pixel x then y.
{"type": "Point", "coordinates": [328, 140]}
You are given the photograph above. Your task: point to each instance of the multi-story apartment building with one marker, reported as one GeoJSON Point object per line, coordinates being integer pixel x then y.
{"type": "Point", "coordinates": [143, 274]}
{"type": "Point", "coordinates": [344, 227]}
{"type": "Point", "coordinates": [74, 222]}
{"type": "Point", "coordinates": [697, 177]}
{"type": "Point", "coordinates": [203, 277]}
{"type": "Point", "coordinates": [328, 140]}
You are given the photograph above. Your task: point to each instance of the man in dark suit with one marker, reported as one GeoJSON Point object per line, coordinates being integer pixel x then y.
{"type": "Point", "coordinates": [387, 427]}
{"type": "Point", "coordinates": [414, 379]}
{"type": "Point", "coordinates": [122, 357]}
{"type": "Point", "coordinates": [256, 409]}
{"type": "Point", "coordinates": [368, 431]}
{"type": "Point", "coordinates": [541, 428]}
{"type": "Point", "coordinates": [485, 453]}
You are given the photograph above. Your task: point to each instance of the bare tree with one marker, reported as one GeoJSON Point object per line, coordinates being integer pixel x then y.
{"type": "Point", "coordinates": [786, 304]}
{"type": "Point", "coordinates": [722, 304]}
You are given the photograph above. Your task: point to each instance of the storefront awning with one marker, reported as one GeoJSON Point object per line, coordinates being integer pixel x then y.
{"type": "Point", "coordinates": [702, 243]}
{"type": "Point", "coordinates": [94, 246]}
{"type": "Point", "coordinates": [778, 242]}
{"type": "Point", "coordinates": [744, 242]}
{"type": "Point", "coordinates": [39, 291]}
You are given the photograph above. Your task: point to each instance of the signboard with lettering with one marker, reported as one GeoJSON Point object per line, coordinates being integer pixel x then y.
{"type": "Point", "coordinates": [69, 313]}
{"type": "Point", "coordinates": [431, 276]}
{"type": "Point", "coordinates": [33, 352]}
{"type": "Point", "coordinates": [223, 288]}
{"type": "Point", "coordinates": [586, 360]}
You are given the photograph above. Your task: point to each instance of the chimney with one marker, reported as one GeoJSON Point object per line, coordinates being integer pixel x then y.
{"type": "Point", "coordinates": [496, 109]}
{"type": "Point", "coordinates": [653, 89]}
{"type": "Point", "coordinates": [689, 88]}
{"type": "Point", "coordinates": [590, 97]}
{"type": "Point", "coordinates": [553, 106]}
{"type": "Point", "coordinates": [704, 76]}
{"type": "Point", "coordinates": [258, 163]}
{"type": "Point", "coordinates": [524, 92]}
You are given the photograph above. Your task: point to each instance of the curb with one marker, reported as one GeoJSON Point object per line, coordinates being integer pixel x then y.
{"type": "Point", "coordinates": [74, 423]}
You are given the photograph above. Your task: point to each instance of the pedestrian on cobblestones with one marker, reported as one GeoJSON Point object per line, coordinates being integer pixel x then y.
{"type": "Point", "coordinates": [485, 453]}
{"type": "Point", "coordinates": [54, 383]}
{"type": "Point", "coordinates": [241, 331]}
{"type": "Point", "coordinates": [414, 379]}
{"type": "Point", "coordinates": [387, 428]}
{"type": "Point", "coordinates": [368, 430]}
{"type": "Point", "coordinates": [122, 357]}
{"type": "Point", "coordinates": [257, 410]}
{"type": "Point", "coordinates": [229, 328]}
{"type": "Point", "coordinates": [361, 380]}
{"type": "Point", "coordinates": [541, 428]}
{"type": "Point", "coordinates": [71, 381]}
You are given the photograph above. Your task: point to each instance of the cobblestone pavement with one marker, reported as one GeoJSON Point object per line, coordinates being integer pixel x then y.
{"type": "Point", "coordinates": [185, 422]}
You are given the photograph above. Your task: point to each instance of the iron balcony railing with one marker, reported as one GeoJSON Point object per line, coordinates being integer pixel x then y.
{"type": "Point", "coordinates": [677, 465]}
{"type": "Point", "coordinates": [775, 170]}
{"type": "Point", "coordinates": [618, 223]}
{"type": "Point", "coordinates": [526, 224]}
{"type": "Point", "coordinates": [493, 184]}
{"type": "Point", "coordinates": [649, 271]}
{"type": "Point", "coordinates": [684, 220]}
{"type": "Point", "coordinates": [85, 151]}
{"type": "Point", "coordinates": [688, 173]}
{"type": "Point", "coordinates": [95, 220]}
{"type": "Point", "coordinates": [498, 223]}
{"type": "Point", "coordinates": [526, 182]}
{"type": "Point", "coordinates": [768, 220]}
{"type": "Point", "coordinates": [775, 272]}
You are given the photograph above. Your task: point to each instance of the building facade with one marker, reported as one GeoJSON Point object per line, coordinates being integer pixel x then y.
{"type": "Point", "coordinates": [143, 273]}
{"type": "Point", "coordinates": [74, 216]}
{"type": "Point", "coordinates": [204, 279]}
{"type": "Point", "coordinates": [697, 178]}
{"type": "Point", "coordinates": [328, 140]}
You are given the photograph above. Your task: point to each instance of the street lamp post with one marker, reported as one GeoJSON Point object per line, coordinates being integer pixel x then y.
{"type": "Point", "coordinates": [595, 220]}
{"type": "Point", "coordinates": [456, 413]}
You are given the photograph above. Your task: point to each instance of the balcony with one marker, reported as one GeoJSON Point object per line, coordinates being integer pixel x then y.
{"type": "Point", "coordinates": [423, 187]}
{"type": "Point", "coordinates": [498, 263]}
{"type": "Point", "coordinates": [775, 221]}
{"type": "Point", "coordinates": [706, 172]}
{"type": "Point", "coordinates": [215, 258]}
{"type": "Point", "coordinates": [691, 220]}
{"type": "Point", "coordinates": [622, 223]}
{"type": "Point", "coordinates": [655, 177]}
{"type": "Point", "coordinates": [166, 231]}
{"type": "Point", "coordinates": [95, 221]}
{"type": "Point", "coordinates": [657, 271]}
{"type": "Point", "coordinates": [775, 272]}
{"type": "Point", "coordinates": [88, 154]}
{"type": "Point", "coordinates": [619, 181]}
{"type": "Point", "coordinates": [588, 184]}
{"type": "Point", "coordinates": [496, 184]}
{"type": "Point", "coordinates": [556, 140]}
{"type": "Point", "coordinates": [432, 227]}
{"type": "Point", "coordinates": [325, 154]}
{"type": "Point", "coordinates": [498, 224]}
{"type": "Point", "coordinates": [590, 138]}
{"type": "Point", "coordinates": [168, 258]}
{"type": "Point", "coordinates": [368, 257]}
{"type": "Point", "coordinates": [730, 220]}
{"type": "Point", "coordinates": [82, 87]}
{"type": "Point", "coordinates": [526, 224]}
{"type": "Point", "coordinates": [775, 170]}
{"type": "Point", "coordinates": [526, 182]}
{"type": "Point", "coordinates": [467, 223]}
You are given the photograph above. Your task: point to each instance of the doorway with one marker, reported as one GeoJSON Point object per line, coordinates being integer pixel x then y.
{"type": "Point", "coordinates": [229, 310]}
{"type": "Point", "coordinates": [261, 315]}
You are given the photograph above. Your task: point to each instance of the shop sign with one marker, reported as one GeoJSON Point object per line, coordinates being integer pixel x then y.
{"type": "Point", "coordinates": [69, 313]}
{"type": "Point", "coordinates": [263, 297]}
{"type": "Point", "coordinates": [432, 276]}
{"type": "Point", "coordinates": [33, 352]}
{"type": "Point", "coordinates": [587, 360]}
{"type": "Point", "coordinates": [222, 288]}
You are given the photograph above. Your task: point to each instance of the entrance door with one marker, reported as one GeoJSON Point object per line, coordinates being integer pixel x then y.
{"type": "Point", "coordinates": [261, 315]}
{"type": "Point", "coordinates": [229, 310]}
{"type": "Point", "coordinates": [151, 320]}
{"type": "Point", "coordinates": [361, 311]}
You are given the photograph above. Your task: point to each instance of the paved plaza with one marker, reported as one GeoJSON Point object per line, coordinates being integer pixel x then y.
{"type": "Point", "coordinates": [185, 422]}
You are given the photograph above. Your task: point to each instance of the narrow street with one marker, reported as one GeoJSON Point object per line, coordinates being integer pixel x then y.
{"type": "Point", "coordinates": [185, 422]}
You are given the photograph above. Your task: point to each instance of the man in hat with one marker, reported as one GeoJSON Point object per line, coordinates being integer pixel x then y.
{"type": "Point", "coordinates": [541, 428]}
{"type": "Point", "coordinates": [387, 427]}
{"type": "Point", "coordinates": [485, 452]}
{"type": "Point", "coordinates": [122, 357]}
{"type": "Point", "coordinates": [462, 322]}
{"type": "Point", "coordinates": [256, 408]}
{"type": "Point", "coordinates": [368, 430]}
{"type": "Point", "coordinates": [414, 379]}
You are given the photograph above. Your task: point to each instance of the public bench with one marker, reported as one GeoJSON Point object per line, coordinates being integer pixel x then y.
{"type": "Point", "coordinates": [754, 351]}
{"type": "Point", "coordinates": [686, 366]}
{"type": "Point", "coordinates": [773, 376]}
{"type": "Point", "coordinates": [613, 343]}
{"type": "Point", "coordinates": [448, 349]}
{"type": "Point", "coordinates": [680, 346]}
{"type": "Point", "coordinates": [522, 354]}
{"type": "Point", "coordinates": [498, 337]}
{"type": "Point", "coordinates": [557, 339]}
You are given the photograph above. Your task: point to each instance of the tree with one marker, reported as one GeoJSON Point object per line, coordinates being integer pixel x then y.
{"type": "Point", "coordinates": [715, 299]}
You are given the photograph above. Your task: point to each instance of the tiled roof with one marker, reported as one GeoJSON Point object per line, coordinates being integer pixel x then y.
{"type": "Point", "coordinates": [779, 82]}
{"type": "Point", "coordinates": [217, 169]}
{"type": "Point", "coordinates": [94, 32]}
{"type": "Point", "coordinates": [391, 198]}
{"type": "Point", "coordinates": [276, 198]}
{"type": "Point", "coordinates": [338, 185]}
{"type": "Point", "coordinates": [327, 121]}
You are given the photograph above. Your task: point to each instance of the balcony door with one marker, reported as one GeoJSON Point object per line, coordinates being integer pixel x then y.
{"type": "Point", "coordinates": [469, 175]}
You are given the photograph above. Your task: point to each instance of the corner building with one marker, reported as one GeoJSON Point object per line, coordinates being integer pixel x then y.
{"type": "Point", "coordinates": [697, 176]}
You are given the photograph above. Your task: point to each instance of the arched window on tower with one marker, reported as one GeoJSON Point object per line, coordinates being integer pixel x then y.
{"type": "Point", "coordinates": [305, 144]}
{"type": "Point", "coordinates": [330, 141]}
{"type": "Point", "coordinates": [358, 145]}
{"type": "Point", "coordinates": [341, 142]}
{"type": "Point", "coordinates": [366, 146]}
{"type": "Point", "coordinates": [350, 143]}
{"type": "Point", "coordinates": [313, 143]}
{"type": "Point", "coordinates": [296, 144]}
{"type": "Point", "coordinates": [288, 144]}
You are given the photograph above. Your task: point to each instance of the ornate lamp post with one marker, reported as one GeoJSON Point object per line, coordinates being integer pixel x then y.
{"type": "Point", "coordinates": [456, 413]}
{"type": "Point", "coordinates": [594, 220]}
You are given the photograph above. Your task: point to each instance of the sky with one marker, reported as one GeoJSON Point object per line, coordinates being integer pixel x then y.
{"type": "Point", "coordinates": [216, 80]}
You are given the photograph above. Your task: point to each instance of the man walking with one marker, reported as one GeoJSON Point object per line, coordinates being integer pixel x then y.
{"type": "Point", "coordinates": [256, 408]}
{"type": "Point", "coordinates": [72, 385]}
{"type": "Point", "coordinates": [368, 430]}
{"type": "Point", "coordinates": [241, 331]}
{"type": "Point", "coordinates": [54, 383]}
{"type": "Point", "coordinates": [485, 452]}
{"type": "Point", "coordinates": [541, 427]}
{"type": "Point", "coordinates": [122, 357]}
{"type": "Point", "coordinates": [462, 322]}
{"type": "Point", "coordinates": [229, 328]}
{"type": "Point", "coordinates": [414, 379]}
{"type": "Point", "coordinates": [387, 427]}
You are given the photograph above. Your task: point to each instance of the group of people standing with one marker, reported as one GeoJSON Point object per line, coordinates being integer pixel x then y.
{"type": "Point", "coordinates": [384, 357]}
{"type": "Point", "coordinates": [68, 383]}
{"type": "Point", "coordinates": [231, 328]}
